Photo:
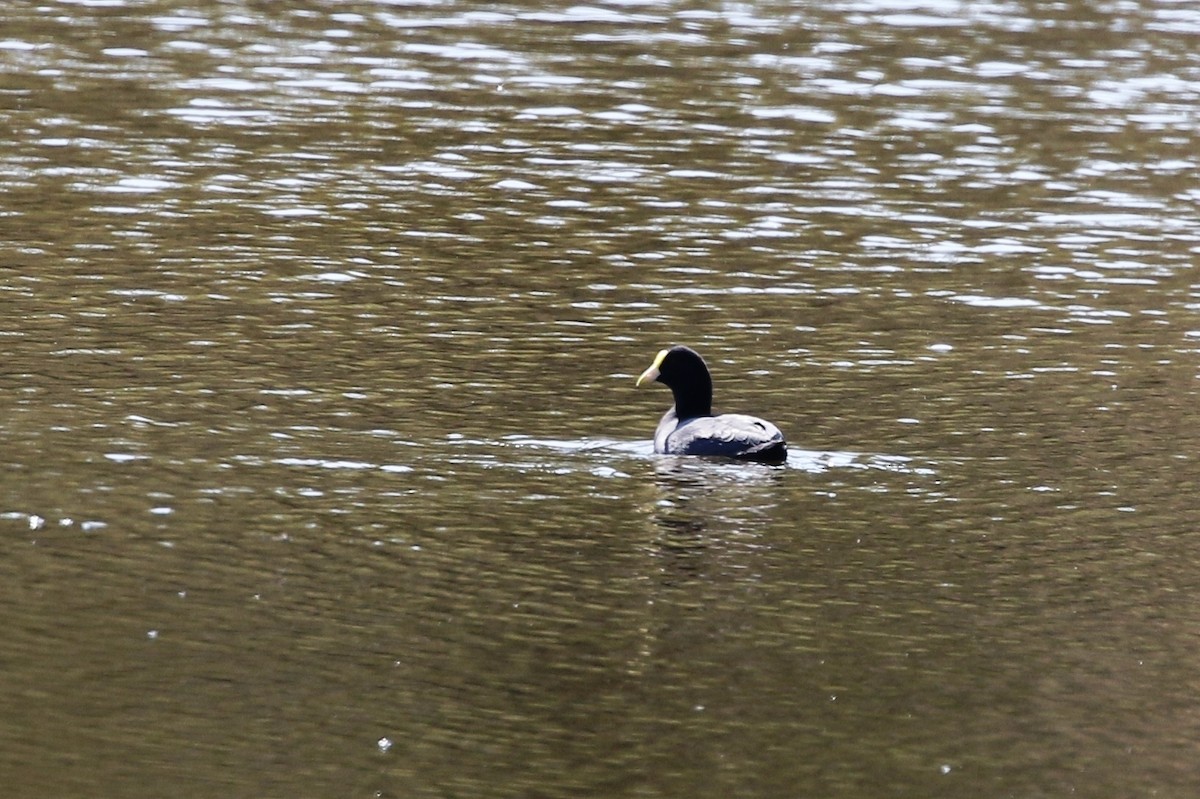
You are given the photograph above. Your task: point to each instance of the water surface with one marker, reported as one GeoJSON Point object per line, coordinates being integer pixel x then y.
{"type": "Point", "coordinates": [324, 473]}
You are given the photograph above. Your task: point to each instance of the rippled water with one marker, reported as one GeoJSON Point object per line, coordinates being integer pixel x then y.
{"type": "Point", "coordinates": [324, 473]}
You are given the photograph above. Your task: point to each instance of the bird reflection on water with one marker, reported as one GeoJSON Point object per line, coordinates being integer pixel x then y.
{"type": "Point", "coordinates": [708, 507]}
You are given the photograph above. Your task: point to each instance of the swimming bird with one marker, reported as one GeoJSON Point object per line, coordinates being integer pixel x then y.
{"type": "Point", "coordinates": [690, 428]}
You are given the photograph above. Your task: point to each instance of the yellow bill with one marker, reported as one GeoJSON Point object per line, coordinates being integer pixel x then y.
{"type": "Point", "coordinates": [651, 374]}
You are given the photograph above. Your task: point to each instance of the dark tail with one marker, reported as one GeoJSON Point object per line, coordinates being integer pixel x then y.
{"type": "Point", "coordinates": [772, 452]}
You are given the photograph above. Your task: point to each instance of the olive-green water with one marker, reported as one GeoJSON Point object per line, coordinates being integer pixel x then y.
{"type": "Point", "coordinates": [322, 472]}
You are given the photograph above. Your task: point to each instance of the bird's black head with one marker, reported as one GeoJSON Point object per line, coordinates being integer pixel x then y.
{"type": "Point", "coordinates": [683, 371]}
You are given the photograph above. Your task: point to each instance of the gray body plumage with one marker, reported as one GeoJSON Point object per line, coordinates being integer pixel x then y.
{"type": "Point", "coordinates": [731, 435]}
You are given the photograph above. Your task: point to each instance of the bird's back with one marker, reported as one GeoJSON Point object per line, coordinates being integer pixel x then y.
{"type": "Point", "coordinates": [731, 435]}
